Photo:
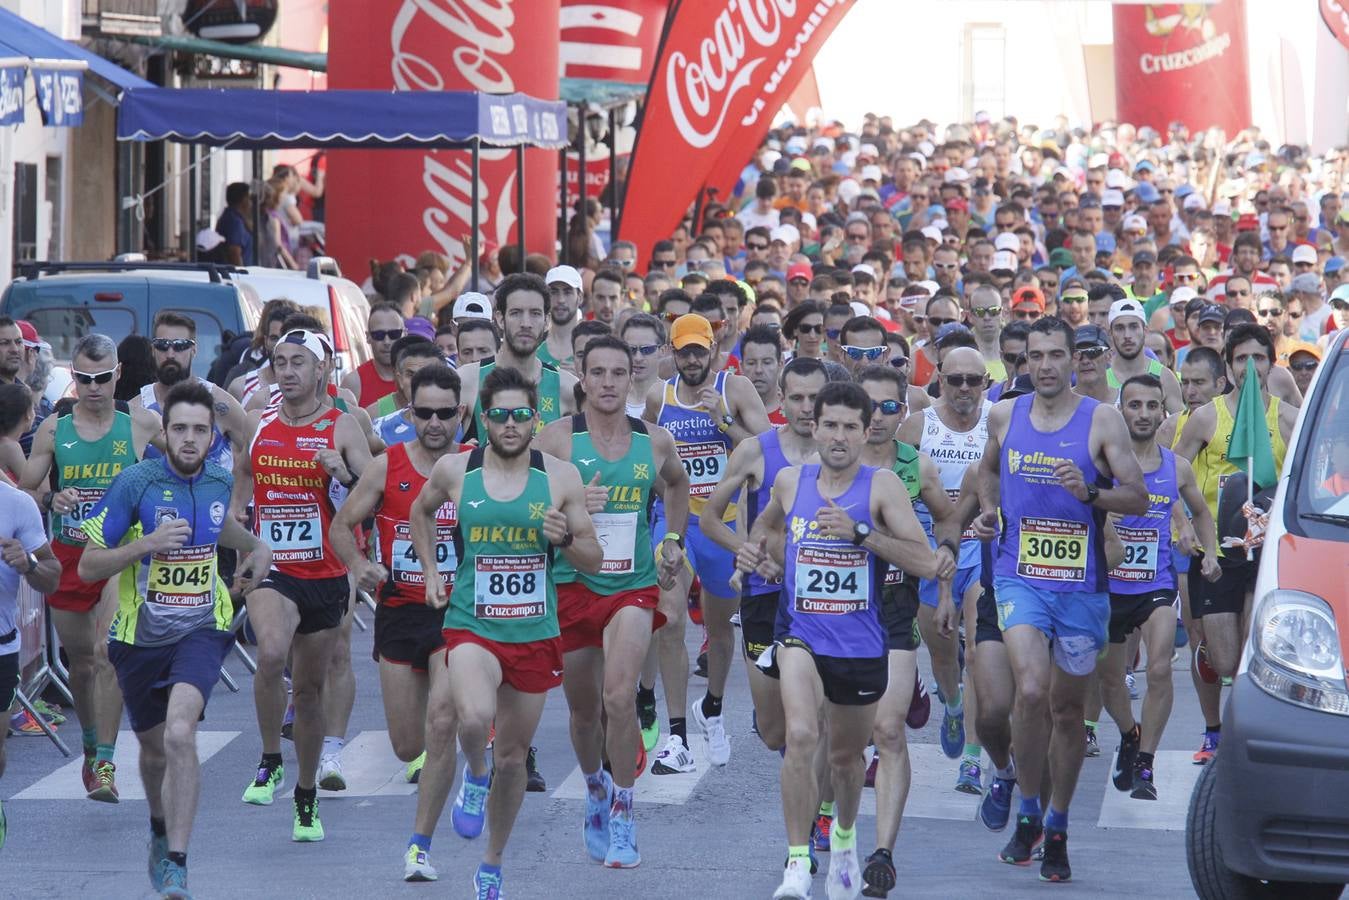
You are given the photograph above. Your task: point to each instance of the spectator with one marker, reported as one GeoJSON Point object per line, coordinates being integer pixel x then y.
{"type": "Point", "coordinates": [235, 225]}
{"type": "Point", "coordinates": [137, 360]}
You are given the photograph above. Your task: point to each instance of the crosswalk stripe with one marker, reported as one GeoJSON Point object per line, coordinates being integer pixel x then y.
{"type": "Point", "coordinates": [66, 784]}
{"type": "Point", "coordinates": [1175, 774]}
{"type": "Point", "coordinates": [371, 769]}
{"type": "Point", "coordinates": [932, 793]}
{"type": "Point", "coordinates": [668, 790]}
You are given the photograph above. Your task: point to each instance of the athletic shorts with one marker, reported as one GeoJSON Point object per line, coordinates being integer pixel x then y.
{"type": "Point", "coordinates": [927, 588]}
{"type": "Point", "coordinates": [146, 675]}
{"type": "Point", "coordinates": [1077, 622]}
{"type": "Point", "coordinates": [986, 618]}
{"type": "Point", "coordinates": [407, 634]}
{"type": "Point", "coordinates": [322, 602]}
{"type": "Point", "coordinates": [758, 621]}
{"type": "Point", "coordinates": [1129, 612]}
{"type": "Point", "coordinates": [1227, 594]}
{"type": "Point", "coordinates": [9, 680]}
{"type": "Point", "coordinates": [899, 615]}
{"type": "Point", "coordinates": [712, 563]}
{"type": "Point", "coordinates": [583, 614]}
{"type": "Point", "coordinates": [534, 667]}
{"type": "Point", "coordinates": [1179, 561]}
{"type": "Point", "coordinates": [73, 594]}
{"type": "Point", "coordinates": [847, 681]}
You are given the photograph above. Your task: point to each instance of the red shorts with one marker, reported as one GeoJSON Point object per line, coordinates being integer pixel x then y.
{"type": "Point", "coordinates": [72, 593]}
{"type": "Point", "coordinates": [584, 614]}
{"type": "Point", "coordinates": [534, 667]}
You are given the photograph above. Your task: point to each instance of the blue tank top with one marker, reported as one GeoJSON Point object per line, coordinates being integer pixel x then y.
{"type": "Point", "coordinates": [774, 461]}
{"type": "Point", "coordinates": [1147, 566]}
{"type": "Point", "coordinates": [220, 452]}
{"type": "Point", "coordinates": [1050, 540]}
{"type": "Point", "coordinates": [832, 590]}
{"type": "Point", "coordinates": [395, 429]}
{"type": "Point", "coordinates": [703, 448]}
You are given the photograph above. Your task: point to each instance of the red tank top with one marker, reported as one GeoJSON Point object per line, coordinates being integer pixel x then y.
{"type": "Point", "coordinates": [406, 585]}
{"type": "Point", "coordinates": [292, 510]}
{"type": "Point", "coordinates": [373, 387]}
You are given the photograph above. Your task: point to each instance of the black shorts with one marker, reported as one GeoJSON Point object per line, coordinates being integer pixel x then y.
{"type": "Point", "coordinates": [322, 602]}
{"type": "Point", "coordinates": [9, 680]}
{"type": "Point", "coordinates": [1227, 594]}
{"type": "Point", "coordinates": [758, 618]}
{"type": "Point", "coordinates": [1129, 612]}
{"type": "Point", "coordinates": [848, 681]}
{"type": "Point", "coordinates": [146, 675]}
{"type": "Point", "coordinates": [986, 618]}
{"type": "Point", "coordinates": [408, 635]}
{"type": "Point", "coordinates": [899, 615]}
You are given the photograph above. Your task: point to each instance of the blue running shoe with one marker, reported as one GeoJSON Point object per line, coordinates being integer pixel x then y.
{"type": "Point", "coordinates": [1182, 637]}
{"type": "Point", "coordinates": [487, 885]}
{"type": "Point", "coordinates": [595, 829]}
{"type": "Point", "coordinates": [469, 812]}
{"type": "Point", "coordinates": [952, 732]}
{"type": "Point", "coordinates": [996, 809]}
{"type": "Point", "coordinates": [159, 851]}
{"type": "Point", "coordinates": [172, 880]}
{"type": "Point", "coordinates": [622, 843]}
{"type": "Point", "coordinates": [971, 778]}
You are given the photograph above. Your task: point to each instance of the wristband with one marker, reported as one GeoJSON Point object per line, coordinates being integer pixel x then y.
{"type": "Point", "coordinates": [352, 483]}
{"type": "Point", "coordinates": [676, 537]}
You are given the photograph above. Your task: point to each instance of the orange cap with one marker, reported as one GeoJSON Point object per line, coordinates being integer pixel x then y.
{"type": "Point", "coordinates": [1028, 293]}
{"type": "Point", "coordinates": [691, 328]}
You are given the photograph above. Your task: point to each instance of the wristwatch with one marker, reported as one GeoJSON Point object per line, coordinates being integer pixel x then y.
{"type": "Point", "coordinates": [726, 422]}
{"type": "Point", "coordinates": [676, 537]}
{"type": "Point", "coordinates": [566, 540]}
{"type": "Point", "coordinates": [860, 532]}
{"type": "Point", "coordinates": [32, 564]}
{"type": "Point", "coordinates": [1092, 493]}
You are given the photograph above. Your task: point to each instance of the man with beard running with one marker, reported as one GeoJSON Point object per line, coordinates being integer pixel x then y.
{"type": "Point", "coordinates": [518, 510]}
{"type": "Point", "coordinates": [172, 629]}
{"type": "Point", "coordinates": [607, 618]}
{"type": "Point", "coordinates": [1128, 326]}
{"type": "Point", "coordinates": [565, 295]}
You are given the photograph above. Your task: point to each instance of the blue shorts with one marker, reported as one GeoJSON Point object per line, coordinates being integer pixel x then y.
{"type": "Point", "coordinates": [147, 674]}
{"type": "Point", "coordinates": [712, 563]}
{"type": "Point", "coordinates": [1076, 621]}
{"type": "Point", "coordinates": [927, 588]}
{"type": "Point", "coordinates": [1180, 561]}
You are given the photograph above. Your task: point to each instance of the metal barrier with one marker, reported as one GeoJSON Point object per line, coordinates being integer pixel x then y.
{"type": "Point", "coordinates": [39, 658]}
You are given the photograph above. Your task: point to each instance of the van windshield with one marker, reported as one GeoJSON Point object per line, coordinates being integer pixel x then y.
{"type": "Point", "coordinates": [1320, 486]}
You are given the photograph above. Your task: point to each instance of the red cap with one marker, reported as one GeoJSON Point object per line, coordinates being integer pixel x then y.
{"type": "Point", "coordinates": [800, 270]}
{"type": "Point", "coordinates": [959, 203]}
{"type": "Point", "coordinates": [1248, 222]}
{"type": "Point", "coordinates": [1028, 293]}
{"type": "Point", "coordinates": [1116, 161]}
{"type": "Point", "coordinates": [28, 333]}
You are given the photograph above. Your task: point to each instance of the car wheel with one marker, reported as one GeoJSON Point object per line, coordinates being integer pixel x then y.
{"type": "Point", "coordinates": [1210, 876]}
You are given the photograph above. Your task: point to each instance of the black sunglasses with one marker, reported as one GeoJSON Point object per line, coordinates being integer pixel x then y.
{"type": "Point", "coordinates": [178, 345]}
{"type": "Point", "coordinates": [390, 334]}
{"type": "Point", "coordinates": [643, 349]}
{"type": "Point", "coordinates": [1308, 366]}
{"type": "Point", "coordinates": [443, 413]}
{"type": "Point", "coordinates": [957, 381]}
{"type": "Point", "coordinates": [809, 329]}
{"type": "Point", "coordinates": [96, 378]}
{"type": "Point", "coordinates": [935, 322]}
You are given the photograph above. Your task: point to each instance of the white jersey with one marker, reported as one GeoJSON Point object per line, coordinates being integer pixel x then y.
{"type": "Point", "coordinates": [953, 452]}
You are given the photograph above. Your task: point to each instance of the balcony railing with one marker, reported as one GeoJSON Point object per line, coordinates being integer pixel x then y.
{"type": "Point", "coordinates": [139, 17]}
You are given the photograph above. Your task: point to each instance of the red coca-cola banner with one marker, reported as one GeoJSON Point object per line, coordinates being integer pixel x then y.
{"type": "Point", "coordinates": [615, 41]}
{"type": "Point", "coordinates": [806, 96]}
{"type": "Point", "coordinates": [1335, 13]}
{"type": "Point", "coordinates": [724, 71]}
{"type": "Point", "coordinates": [1182, 62]}
{"type": "Point", "coordinates": [386, 203]}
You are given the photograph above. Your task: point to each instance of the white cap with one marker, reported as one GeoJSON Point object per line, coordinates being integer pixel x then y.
{"type": "Point", "coordinates": [1178, 295]}
{"type": "Point", "coordinates": [869, 150]}
{"type": "Point", "coordinates": [1065, 172]}
{"type": "Point", "coordinates": [315, 342]}
{"type": "Point", "coordinates": [940, 224]}
{"type": "Point", "coordinates": [1222, 208]}
{"type": "Point", "coordinates": [825, 142]}
{"type": "Point", "coordinates": [1004, 260]}
{"type": "Point", "coordinates": [927, 148]}
{"type": "Point", "coordinates": [864, 269]}
{"type": "Point", "coordinates": [918, 158]}
{"type": "Point", "coordinates": [768, 158]}
{"type": "Point", "coordinates": [932, 233]}
{"type": "Point", "coordinates": [848, 159]}
{"type": "Point", "coordinates": [472, 305]}
{"type": "Point", "coordinates": [788, 234]}
{"type": "Point", "coordinates": [1098, 161]}
{"type": "Point", "coordinates": [957, 175]}
{"type": "Point", "coordinates": [1007, 241]}
{"type": "Point", "coordinates": [848, 190]}
{"type": "Point", "coordinates": [859, 308]}
{"type": "Point", "coordinates": [808, 219]}
{"type": "Point", "coordinates": [564, 275]}
{"type": "Point", "coordinates": [1122, 309]}
{"type": "Point", "coordinates": [1193, 201]}
{"type": "Point", "coordinates": [208, 239]}
{"type": "Point", "coordinates": [871, 173]}
{"type": "Point", "coordinates": [1135, 222]}
{"type": "Point", "coordinates": [930, 286]}
{"type": "Point", "coordinates": [1304, 253]}
{"type": "Point", "coordinates": [1112, 197]}
{"type": "Point", "coordinates": [1115, 179]}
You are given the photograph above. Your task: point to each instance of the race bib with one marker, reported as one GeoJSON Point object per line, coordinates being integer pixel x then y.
{"type": "Point", "coordinates": [704, 464]}
{"type": "Point", "coordinates": [1140, 555]}
{"type": "Point", "coordinates": [968, 534]}
{"type": "Point", "coordinates": [72, 523]}
{"type": "Point", "coordinates": [295, 533]}
{"type": "Point", "coordinates": [182, 578]}
{"type": "Point", "coordinates": [617, 534]}
{"type": "Point", "coordinates": [407, 569]}
{"type": "Point", "coordinates": [1052, 549]}
{"type": "Point", "coordinates": [832, 581]}
{"type": "Point", "coordinates": [893, 576]}
{"type": "Point", "coordinates": [510, 588]}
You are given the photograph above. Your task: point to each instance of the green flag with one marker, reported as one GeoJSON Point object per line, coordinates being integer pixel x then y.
{"type": "Point", "coordinates": [1250, 435]}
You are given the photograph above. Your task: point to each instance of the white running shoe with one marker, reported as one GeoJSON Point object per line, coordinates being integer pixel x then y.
{"type": "Point", "coordinates": [330, 773]}
{"type": "Point", "coordinates": [718, 745]}
{"type": "Point", "coordinates": [417, 865]}
{"type": "Point", "coordinates": [1132, 685]}
{"type": "Point", "coordinates": [845, 875]}
{"type": "Point", "coordinates": [795, 881]}
{"type": "Point", "coordinates": [674, 758]}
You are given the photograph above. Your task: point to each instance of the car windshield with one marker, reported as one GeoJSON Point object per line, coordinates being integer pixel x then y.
{"type": "Point", "coordinates": [1321, 473]}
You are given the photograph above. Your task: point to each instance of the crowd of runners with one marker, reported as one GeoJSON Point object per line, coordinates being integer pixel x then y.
{"type": "Point", "coordinates": [963, 392]}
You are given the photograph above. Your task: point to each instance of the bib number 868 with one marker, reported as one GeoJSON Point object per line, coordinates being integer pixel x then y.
{"type": "Point", "coordinates": [515, 583]}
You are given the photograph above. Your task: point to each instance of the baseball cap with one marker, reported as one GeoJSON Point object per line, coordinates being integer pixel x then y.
{"type": "Point", "coordinates": [957, 175]}
{"type": "Point", "coordinates": [1090, 336]}
{"type": "Point", "coordinates": [1105, 242]}
{"type": "Point", "coordinates": [1248, 222]}
{"type": "Point", "coordinates": [785, 233]}
{"type": "Point", "coordinates": [1306, 283]}
{"type": "Point", "coordinates": [1178, 296]}
{"type": "Point", "coordinates": [472, 305]}
{"type": "Point", "coordinates": [1028, 293]}
{"type": "Point", "coordinates": [1193, 201]}
{"type": "Point", "coordinates": [947, 330]}
{"type": "Point", "coordinates": [1341, 293]}
{"type": "Point", "coordinates": [1333, 265]}
{"type": "Point", "coordinates": [1146, 192]}
{"type": "Point", "coordinates": [1060, 258]}
{"type": "Point", "coordinates": [1135, 222]}
{"type": "Point", "coordinates": [1303, 347]}
{"type": "Point", "coordinates": [859, 308]}
{"type": "Point", "coordinates": [1146, 257]}
{"type": "Point", "coordinates": [1123, 309]}
{"type": "Point", "coordinates": [769, 158]}
{"type": "Point", "coordinates": [800, 164]}
{"type": "Point", "coordinates": [800, 270]}
{"type": "Point", "coordinates": [28, 333]}
{"type": "Point", "coordinates": [868, 150]}
{"type": "Point", "coordinates": [865, 270]}
{"type": "Point", "coordinates": [689, 329]}
{"type": "Point", "coordinates": [564, 275]}
{"type": "Point", "coordinates": [1145, 165]}
{"type": "Point", "coordinates": [312, 341]}
{"type": "Point", "coordinates": [1112, 198]}
{"type": "Point", "coordinates": [1004, 261]}
{"type": "Point", "coordinates": [1007, 241]}
{"type": "Point", "coordinates": [1097, 161]}
{"type": "Point", "coordinates": [1115, 180]}
{"type": "Point", "coordinates": [1212, 312]}
{"type": "Point", "coordinates": [932, 233]}
{"type": "Point", "coordinates": [1304, 253]}
{"type": "Point", "coordinates": [871, 172]}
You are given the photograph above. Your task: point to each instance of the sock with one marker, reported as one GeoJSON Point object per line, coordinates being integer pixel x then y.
{"type": "Point", "coordinates": [827, 809]}
{"type": "Point", "coordinates": [333, 745]}
{"type": "Point", "coordinates": [306, 793]}
{"type": "Point", "coordinates": [957, 706]}
{"type": "Point", "coordinates": [842, 838]}
{"type": "Point", "coordinates": [103, 752]}
{"type": "Point", "coordinates": [679, 727]}
{"type": "Point", "coordinates": [622, 802]}
{"type": "Point", "coordinates": [158, 828]}
{"type": "Point", "coordinates": [1091, 726]}
{"type": "Point", "coordinates": [1144, 760]}
{"type": "Point", "coordinates": [801, 852]}
{"type": "Point", "coordinates": [271, 760]}
{"type": "Point", "coordinates": [474, 779]}
{"type": "Point", "coordinates": [1056, 820]}
{"type": "Point", "coordinates": [596, 785]}
{"type": "Point", "coordinates": [711, 705]}
{"type": "Point", "coordinates": [1030, 806]}
{"type": "Point", "coordinates": [420, 840]}
{"type": "Point", "coordinates": [90, 738]}
{"type": "Point", "coordinates": [646, 695]}
{"type": "Point", "coordinates": [974, 752]}
{"type": "Point", "coordinates": [487, 869]}
{"type": "Point", "coordinates": [178, 858]}
{"type": "Point", "coordinates": [1213, 729]}
{"type": "Point", "coordinates": [1007, 774]}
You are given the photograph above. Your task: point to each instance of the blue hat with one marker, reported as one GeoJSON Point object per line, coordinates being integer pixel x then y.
{"type": "Point", "coordinates": [1105, 242]}
{"type": "Point", "coordinates": [1146, 192]}
{"type": "Point", "coordinates": [1334, 264]}
{"type": "Point", "coordinates": [946, 331]}
{"type": "Point", "coordinates": [1145, 165]}
{"type": "Point", "coordinates": [1184, 191]}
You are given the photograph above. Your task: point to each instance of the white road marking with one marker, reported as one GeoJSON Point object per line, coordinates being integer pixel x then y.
{"type": "Point", "coordinates": [932, 793]}
{"type": "Point", "coordinates": [371, 768]}
{"type": "Point", "coordinates": [669, 790]}
{"type": "Point", "coordinates": [1174, 773]}
{"type": "Point", "coordinates": [66, 784]}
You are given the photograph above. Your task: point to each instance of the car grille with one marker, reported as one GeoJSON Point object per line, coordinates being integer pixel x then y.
{"type": "Point", "coordinates": [1303, 842]}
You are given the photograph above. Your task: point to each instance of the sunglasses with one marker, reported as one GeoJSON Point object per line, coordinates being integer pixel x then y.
{"type": "Point", "coordinates": [1341, 305]}
{"type": "Point", "coordinates": [946, 265]}
{"type": "Point", "coordinates": [958, 381]}
{"type": "Point", "coordinates": [1092, 352]}
{"type": "Point", "coordinates": [1013, 359]}
{"type": "Point", "coordinates": [1075, 298]}
{"type": "Point", "coordinates": [391, 334]}
{"type": "Point", "coordinates": [1267, 313]}
{"type": "Point", "coordinates": [644, 349]}
{"type": "Point", "coordinates": [443, 413]}
{"type": "Point", "coordinates": [833, 333]}
{"type": "Point", "coordinates": [1238, 293]}
{"type": "Point", "coordinates": [899, 362]}
{"type": "Point", "coordinates": [1308, 366]}
{"type": "Point", "coordinates": [664, 263]}
{"type": "Point", "coordinates": [938, 321]}
{"type": "Point", "coordinates": [887, 407]}
{"type": "Point", "coordinates": [749, 246]}
{"type": "Point", "coordinates": [1027, 315]}
{"type": "Point", "coordinates": [870, 354]}
{"type": "Point", "coordinates": [810, 329]}
{"type": "Point", "coordinates": [986, 312]}
{"type": "Point", "coordinates": [1187, 277]}
{"type": "Point", "coordinates": [1295, 315]}
{"type": "Point", "coordinates": [179, 345]}
{"type": "Point", "coordinates": [499, 414]}
{"type": "Point", "coordinates": [94, 378]}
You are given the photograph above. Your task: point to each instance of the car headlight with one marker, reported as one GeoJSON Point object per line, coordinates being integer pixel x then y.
{"type": "Point", "coordinates": [1296, 652]}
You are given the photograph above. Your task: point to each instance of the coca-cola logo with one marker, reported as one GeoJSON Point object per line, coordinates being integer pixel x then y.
{"type": "Point", "coordinates": [481, 32]}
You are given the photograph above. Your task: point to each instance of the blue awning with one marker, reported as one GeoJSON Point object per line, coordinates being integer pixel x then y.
{"type": "Point", "coordinates": [262, 119]}
{"type": "Point", "coordinates": [21, 39]}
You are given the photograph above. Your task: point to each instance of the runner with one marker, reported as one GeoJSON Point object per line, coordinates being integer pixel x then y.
{"type": "Point", "coordinates": [400, 426]}
{"type": "Point", "coordinates": [607, 618]}
{"type": "Point", "coordinates": [1127, 328]}
{"type": "Point", "coordinates": [503, 650]}
{"type": "Point", "coordinates": [761, 363]}
{"type": "Point", "coordinates": [243, 380]}
{"type": "Point", "coordinates": [86, 449]}
{"type": "Point", "coordinates": [645, 337]}
{"type": "Point", "coordinates": [830, 650]}
{"type": "Point", "coordinates": [174, 616]}
{"type": "Point", "coordinates": [373, 378]}
{"type": "Point", "coordinates": [1050, 576]}
{"type": "Point", "coordinates": [296, 454]}
{"type": "Point", "coordinates": [1143, 587]}
{"type": "Point", "coordinates": [566, 296]}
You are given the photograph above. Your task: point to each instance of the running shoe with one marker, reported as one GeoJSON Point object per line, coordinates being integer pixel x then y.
{"type": "Point", "coordinates": [1206, 750]}
{"type": "Point", "coordinates": [700, 664]}
{"type": "Point", "coordinates": [996, 807]}
{"type": "Point", "coordinates": [414, 769]}
{"type": "Point", "coordinates": [307, 828]}
{"type": "Point", "coordinates": [714, 727]}
{"type": "Point", "coordinates": [1199, 658]}
{"type": "Point", "coordinates": [288, 722]}
{"type": "Point", "coordinates": [1225, 681]}
{"type": "Point", "coordinates": [595, 825]}
{"type": "Point", "coordinates": [696, 601]}
{"type": "Point", "coordinates": [1131, 684]}
{"type": "Point", "coordinates": [487, 885]}
{"type": "Point", "coordinates": [265, 785]}
{"type": "Point", "coordinates": [22, 724]}
{"type": "Point", "coordinates": [649, 724]}
{"type": "Point", "coordinates": [1093, 747]}
{"type": "Point", "coordinates": [105, 781]}
{"type": "Point", "coordinates": [878, 878]}
{"type": "Point", "coordinates": [87, 771]}
{"type": "Point", "coordinates": [952, 732]}
{"type": "Point", "coordinates": [1143, 787]}
{"type": "Point", "coordinates": [920, 707]}
{"type": "Point", "coordinates": [470, 806]}
{"type": "Point", "coordinates": [1029, 834]}
{"type": "Point", "coordinates": [1055, 867]}
{"type": "Point", "coordinates": [417, 865]}
{"type": "Point", "coordinates": [674, 758]}
{"type": "Point", "coordinates": [330, 773]}
{"type": "Point", "coordinates": [844, 880]}
{"type": "Point", "coordinates": [534, 782]}
{"type": "Point", "coordinates": [795, 881]}
{"type": "Point", "coordinates": [622, 853]}
{"type": "Point", "coordinates": [1124, 760]}
{"type": "Point", "coordinates": [735, 619]}
{"type": "Point", "coordinates": [819, 833]}
{"type": "Point", "coordinates": [159, 851]}
{"type": "Point", "coordinates": [172, 880]}
{"type": "Point", "coordinates": [971, 778]}
{"type": "Point", "coordinates": [49, 711]}
{"type": "Point", "coordinates": [871, 769]}
{"type": "Point", "coordinates": [640, 767]}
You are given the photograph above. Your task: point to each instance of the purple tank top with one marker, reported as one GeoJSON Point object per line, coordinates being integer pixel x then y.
{"type": "Point", "coordinates": [1147, 538]}
{"type": "Point", "coordinates": [1050, 540]}
{"type": "Point", "coordinates": [770, 445]}
{"type": "Point", "coordinates": [830, 598]}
